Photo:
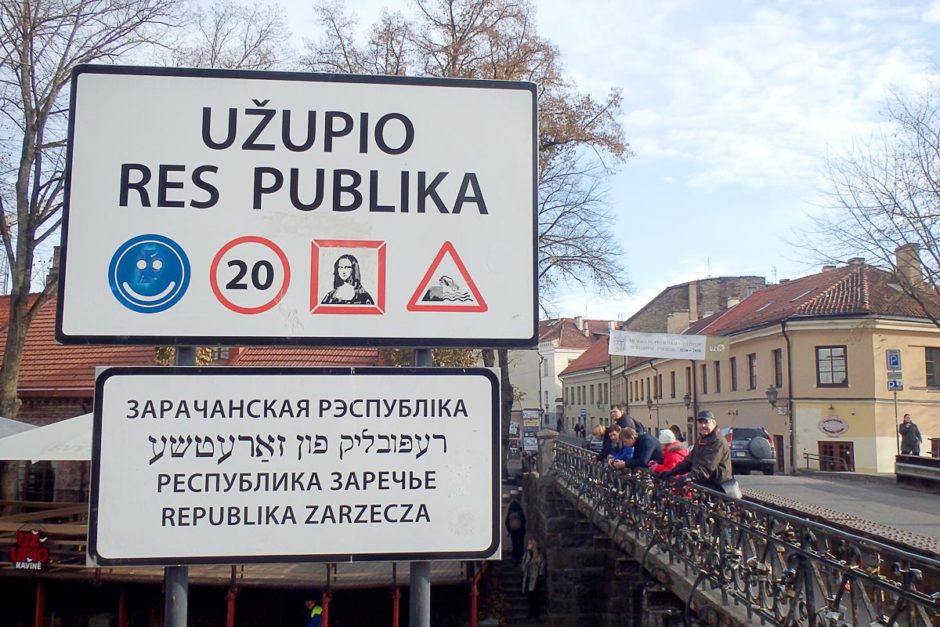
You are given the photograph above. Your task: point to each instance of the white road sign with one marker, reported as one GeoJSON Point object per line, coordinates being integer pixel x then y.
{"type": "Point", "coordinates": [213, 465]}
{"type": "Point", "coordinates": [271, 208]}
{"type": "Point", "coordinates": [662, 345]}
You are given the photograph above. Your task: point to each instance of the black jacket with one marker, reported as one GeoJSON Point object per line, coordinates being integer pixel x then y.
{"type": "Point", "coordinates": [646, 448]}
{"type": "Point", "coordinates": [709, 464]}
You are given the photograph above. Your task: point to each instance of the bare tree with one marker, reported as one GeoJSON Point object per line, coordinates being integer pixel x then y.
{"type": "Point", "coordinates": [41, 41]}
{"type": "Point", "coordinates": [579, 138]}
{"type": "Point", "coordinates": [228, 35]}
{"type": "Point", "coordinates": [885, 201]}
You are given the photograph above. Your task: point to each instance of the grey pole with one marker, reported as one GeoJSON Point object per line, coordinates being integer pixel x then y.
{"type": "Point", "coordinates": [419, 594]}
{"type": "Point", "coordinates": [897, 430]}
{"type": "Point", "coordinates": [176, 578]}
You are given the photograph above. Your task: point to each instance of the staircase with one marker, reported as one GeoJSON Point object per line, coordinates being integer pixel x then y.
{"type": "Point", "coordinates": [510, 577]}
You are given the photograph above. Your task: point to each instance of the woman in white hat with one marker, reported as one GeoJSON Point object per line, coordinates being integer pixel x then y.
{"type": "Point", "coordinates": [673, 451]}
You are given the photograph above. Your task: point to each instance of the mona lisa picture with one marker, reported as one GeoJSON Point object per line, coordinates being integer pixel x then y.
{"type": "Point", "coordinates": [347, 277]}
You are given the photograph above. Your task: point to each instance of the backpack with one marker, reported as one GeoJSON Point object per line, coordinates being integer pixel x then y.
{"type": "Point", "coordinates": [514, 521]}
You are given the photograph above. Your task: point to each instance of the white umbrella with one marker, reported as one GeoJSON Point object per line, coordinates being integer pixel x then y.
{"type": "Point", "coordinates": [8, 426]}
{"type": "Point", "coordinates": [66, 440]}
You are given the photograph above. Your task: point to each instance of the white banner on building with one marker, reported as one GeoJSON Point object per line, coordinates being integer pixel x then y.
{"type": "Point", "coordinates": [661, 345]}
{"type": "Point", "coordinates": [236, 465]}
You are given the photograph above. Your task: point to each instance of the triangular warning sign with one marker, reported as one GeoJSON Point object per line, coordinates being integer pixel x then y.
{"type": "Point", "coordinates": [447, 286]}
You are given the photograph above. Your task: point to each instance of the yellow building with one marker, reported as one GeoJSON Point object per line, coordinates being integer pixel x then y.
{"type": "Point", "coordinates": [818, 346]}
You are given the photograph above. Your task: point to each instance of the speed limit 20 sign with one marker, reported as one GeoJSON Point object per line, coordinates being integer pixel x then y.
{"type": "Point", "coordinates": [208, 206]}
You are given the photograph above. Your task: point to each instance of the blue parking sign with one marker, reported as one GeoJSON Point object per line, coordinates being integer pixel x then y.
{"type": "Point", "coordinates": [893, 356]}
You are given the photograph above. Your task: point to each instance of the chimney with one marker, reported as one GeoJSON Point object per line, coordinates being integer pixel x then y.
{"type": "Point", "coordinates": [693, 301]}
{"type": "Point", "coordinates": [908, 264]}
{"type": "Point", "coordinates": [611, 326]}
{"type": "Point", "coordinates": [579, 322]}
{"type": "Point", "coordinates": [677, 322]}
{"type": "Point", "coordinates": [54, 270]}
{"type": "Point", "coordinates": [827, 268]}
{"type": "Point", "coordinates": [856, 261]}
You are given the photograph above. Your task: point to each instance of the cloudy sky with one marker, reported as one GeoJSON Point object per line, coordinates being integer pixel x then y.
{"type": "Point", "coordinates": [732, 108]}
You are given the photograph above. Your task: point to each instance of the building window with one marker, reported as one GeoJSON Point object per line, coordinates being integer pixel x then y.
{"type": "Point", "coordinates": [219, 353]}
{"type": "Point", "coordinates": [672, 384]}
{"type": "Point", "coordinates": [778, 367]}
{"type": "Point", "coordinates": [592, 393]}
{"type": "Point", "coordinates": [704, 378]}
{"type": "Point", "coordinates": [688, 380]}
{"type": "Point", "coordinates": [648, 388]}
{"type": "Point", "coordinates": [831, 366]}
{"type": "Point", "coordinates": [932, 359]}
{"type": "Point", "coordinates": [733, 366]}
{"type": "Point", "coordinates": [659, 385]}
{"type": "Point", "coordinates": [752, 371]}
{"type": "Point", "coordinates": [717, 377]}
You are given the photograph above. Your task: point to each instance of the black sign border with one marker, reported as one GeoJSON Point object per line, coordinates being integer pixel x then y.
{"type": "Point", "coordinates": [315, 341]}
{"type": "Point", "coordinates": [495, 479]}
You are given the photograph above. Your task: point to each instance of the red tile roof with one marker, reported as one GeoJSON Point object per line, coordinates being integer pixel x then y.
{"type": "Point", "coordinates": [50, 369]}
{"type": "Point", "coordinates": [306, 357]}
{"type": "Point", "coordinates": [853, 290]}
{"type": "Point", "coordinates": [848, 291]}
{"type": "Point", "coordinates": [594, 357]}
{"type": "Point", "coordinates": [566, 332]}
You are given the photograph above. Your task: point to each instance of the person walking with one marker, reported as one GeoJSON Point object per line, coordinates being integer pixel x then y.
{"type": "Point", "coordinates": [911, 438]}
{"type": "Point", "coordinates": [709, 464]}
{"type": "Point", "coordinates": [515, 525]}
{"type": "Point", "coordinates": [533, 569]}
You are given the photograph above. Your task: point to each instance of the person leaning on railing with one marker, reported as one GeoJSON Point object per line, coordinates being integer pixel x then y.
{"type": "Point", "coordinates": [709, 464]}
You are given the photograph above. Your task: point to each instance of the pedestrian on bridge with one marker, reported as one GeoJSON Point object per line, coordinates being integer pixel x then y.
{"type": "Point", "coordinates": [619, 452]}
{"type": "Point", "coordinates": [673, 452]}
{"type": "Point", "coordinates": [910, 437]}
{"type": "Point", "coordinates": [709, 464]}
{"type": "Point", "coordinates": [619, 417]}
{"type": "Point", "coordinates": [645, 447]}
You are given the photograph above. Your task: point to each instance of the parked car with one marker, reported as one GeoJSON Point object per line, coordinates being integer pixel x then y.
{"type": "Point", "coordinates": [752, 448]}
{"type": "Point", "coordinates": [593, 443]}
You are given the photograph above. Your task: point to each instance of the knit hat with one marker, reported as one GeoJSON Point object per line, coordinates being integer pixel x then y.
{"type": "Point", "coordinates": [666, 437]}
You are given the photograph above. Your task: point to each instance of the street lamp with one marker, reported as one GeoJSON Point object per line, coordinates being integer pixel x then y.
{"type": "Point", "coordinates": [687, 399]}
{"type": "Point", "coordinates": [649, 406]}
{"type": "Point", "coordinates": [771, 396]}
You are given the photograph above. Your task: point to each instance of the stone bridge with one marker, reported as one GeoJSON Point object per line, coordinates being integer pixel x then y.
{"type": "Point", "coordinates": [624, 549]}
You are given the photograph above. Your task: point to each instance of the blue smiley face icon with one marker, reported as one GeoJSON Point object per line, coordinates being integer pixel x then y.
{"type": "Point", "coordinates": [149, 273]}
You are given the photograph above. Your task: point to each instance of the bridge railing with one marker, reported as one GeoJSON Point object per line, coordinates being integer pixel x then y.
{"type": "Point", "coordinates": [783, 569]}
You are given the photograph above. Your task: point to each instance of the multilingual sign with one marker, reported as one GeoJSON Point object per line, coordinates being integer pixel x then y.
{"type": "Point", "coordinates": [236, 465]}
{"type": "Point", "coordinates": [222, 207]}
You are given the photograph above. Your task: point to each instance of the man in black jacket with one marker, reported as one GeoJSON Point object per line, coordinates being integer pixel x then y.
{"type": "Point", "coordinates": [709, 464]}
{"type": "Point", "coordinates": [619, 417]}
{"type": "Point", "coordinates": [645, 448]}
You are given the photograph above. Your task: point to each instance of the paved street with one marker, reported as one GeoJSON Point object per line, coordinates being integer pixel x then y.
{"type": "Point", "coordinates": [876, 500]}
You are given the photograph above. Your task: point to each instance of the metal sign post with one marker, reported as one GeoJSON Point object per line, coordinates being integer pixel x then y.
{"type": "Point", "coordinates": [897, 427]}
{"type": "Point", "coordinates": [419, 594]}
{"type": "Point", "coordinates": [176, 578]}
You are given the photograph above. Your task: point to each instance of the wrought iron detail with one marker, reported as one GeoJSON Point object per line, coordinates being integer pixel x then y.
{"type": "Point", "coordinates": [780, 568]}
